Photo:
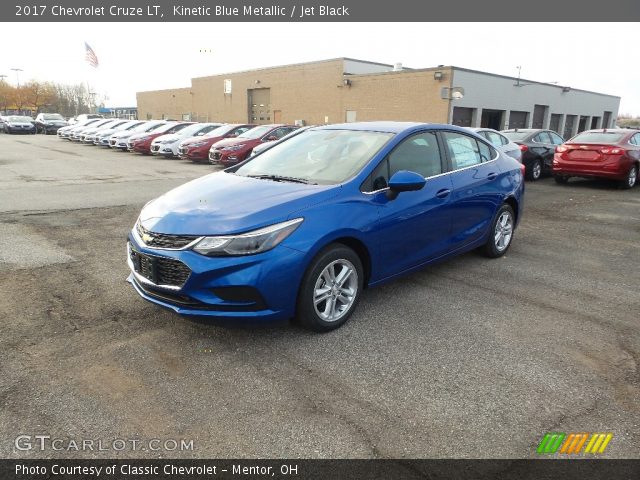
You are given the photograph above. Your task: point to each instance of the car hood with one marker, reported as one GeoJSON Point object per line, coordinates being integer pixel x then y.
{"type": "Point", "coordinates": [20, 124]}
{"type": "Point", "coordinates": [168, 137]}
{"type": "Point", "coordinates": [236, 141]}
{"type": "Point", "coordinates": [224, 203]}
{"type": "Point", "coordinates": [191, 140]}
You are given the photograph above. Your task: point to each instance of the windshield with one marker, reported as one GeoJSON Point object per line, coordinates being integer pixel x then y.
{"type": "Point", "coordinates": [256, 132]}
{"type": "Point", "coordinates": [318, 156]}
{"type": "Point", "coordinates": [17, 118]}
{"type": "Point", "coordinates": [221, 131]}
{"type": "Point", "coordinates": [53, 116]}
{"type": "Point", "coordinates": [516, 136]}
{"type": "Point", "coordinates": [171, 127]}
{"type": "Point", "coordinates": [149, 128]}
{"type": "Point", "coordinates": [191, 130]}
{"type": "Point", "coordinates": [598, 137]}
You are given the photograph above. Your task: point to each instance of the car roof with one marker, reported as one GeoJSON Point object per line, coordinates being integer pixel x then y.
{"type": "Point", "coordinates": [387, 127]}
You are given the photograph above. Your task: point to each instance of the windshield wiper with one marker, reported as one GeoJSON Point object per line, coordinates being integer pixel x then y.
{"type": "Point", "coordinates": [281, 178]}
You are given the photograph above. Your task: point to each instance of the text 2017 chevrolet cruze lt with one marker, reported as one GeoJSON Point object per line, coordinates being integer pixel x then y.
{"type": "Point", "coordinates": [301, 229]}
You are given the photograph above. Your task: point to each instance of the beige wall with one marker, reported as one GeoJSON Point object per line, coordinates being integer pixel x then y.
{"type": "Point", "coordinates": [401, 96]}
{"type": "Point", "coordinates": [313, 92]}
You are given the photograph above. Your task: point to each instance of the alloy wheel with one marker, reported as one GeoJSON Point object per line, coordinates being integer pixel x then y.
{"type": "Point", "coordinates": [335, 290]}
{"type": "Point", "coordinates": [633, 175]}
{"type": "Point", "coordinates": [503, 231]}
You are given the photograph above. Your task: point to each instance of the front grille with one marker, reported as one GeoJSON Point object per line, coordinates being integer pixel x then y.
{"type": "Point", "coordinates": [159, 270]}
{"type": "Point", "coordinates": [162, 240]}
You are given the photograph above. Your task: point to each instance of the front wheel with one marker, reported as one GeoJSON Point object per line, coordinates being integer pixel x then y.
{"type": "Point", "coordinates": [535, 172]}
{"type": "Point", "coordinates": [501, 232]}
{"type": "Point", "coordinates": [632, 178]}
{"type": "Point", "coordinates": [330, 289]}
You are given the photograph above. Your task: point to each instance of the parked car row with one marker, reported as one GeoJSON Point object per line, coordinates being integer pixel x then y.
{"type": "Point", "coordinates": [606, 153]}
{"type": "Point", "coordinates": [216, 143]}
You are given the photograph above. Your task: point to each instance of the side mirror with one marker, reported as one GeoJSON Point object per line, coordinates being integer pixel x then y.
{"type": "Point", "coordinates": [404, 181]}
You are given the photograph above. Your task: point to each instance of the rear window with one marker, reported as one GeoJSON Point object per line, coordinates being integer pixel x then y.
{"type": "Point", "coordinates": [598, 137]}
{"type": "Point", "coordinates": [516, 136]}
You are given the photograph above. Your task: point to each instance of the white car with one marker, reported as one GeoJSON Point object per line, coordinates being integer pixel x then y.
{"type": "Point", "coordinates": [79, 133]}
{"type": "Point", "coordinates": [101, 138]}
{"type": "Point", "coordinates": [66, 132]}
{"type": "Point", "coordinates": [119, 140]}
{"type": "Point", "coordinates": [90, 135]}
{"type": "Point", "coordinates": [167, 145]}
{"type": "Point", "coordinates": [501, 142]}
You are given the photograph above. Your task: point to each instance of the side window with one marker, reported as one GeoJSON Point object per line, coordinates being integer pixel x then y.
{"type": "Point", "coordinates": [542, 137]}
{"type": "Point", "coordinates": [486, 152]}
{"type": "Point", "coordinates": [419, 153]}
{"type": "Point", "coordinates": [636, 139]}
{"type": "Point", "coordinates": [504, 140]}
{"type": "Point", "coordinates": [556, 139]}
{"type": "Point", "coordinates": [239, 131]}
{"type": "Point", "coordinates": [494, 138]}
{"type": "Point", "coordinates": [462, 149]}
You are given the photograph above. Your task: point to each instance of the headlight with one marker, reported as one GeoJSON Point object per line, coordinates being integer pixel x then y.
{"type": "Point", "coordinates": [197, 144]}
{"type": "Point", "coordinates": [233, 148]}
{"type": "Point", "coordinates": [249, 243]}
{"type": "Point", "coordinates": [169, 142]}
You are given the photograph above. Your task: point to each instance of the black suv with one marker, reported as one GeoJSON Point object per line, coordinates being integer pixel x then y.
{"type": "Point", "coordinates": [537, 146]}
{"type": "Point", "coordinates": [49, 122]}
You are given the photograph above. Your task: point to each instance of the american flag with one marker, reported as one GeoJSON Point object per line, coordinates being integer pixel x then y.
{"type": "Point", "coordinates": [90, 56]}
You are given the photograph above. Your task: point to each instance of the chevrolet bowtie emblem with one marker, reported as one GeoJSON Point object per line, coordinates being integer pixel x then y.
{"type": "Point", "coordinates": [146, 238]}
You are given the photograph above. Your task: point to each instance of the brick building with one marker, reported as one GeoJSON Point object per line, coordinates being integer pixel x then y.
{"type": "Point", "coordinates": [345, 89]}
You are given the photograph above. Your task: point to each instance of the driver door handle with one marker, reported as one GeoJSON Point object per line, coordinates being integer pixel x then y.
{"type": "Point", "coordinates": [492, 176]}
{"type": "Point", "coordinates": [443, 193]}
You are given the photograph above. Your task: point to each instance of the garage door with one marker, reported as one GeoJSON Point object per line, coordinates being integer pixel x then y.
{"type": "Point", "coordinates": [462, 116]}
{"type": "Point", "coordinates": [538, 115]}
{"type": "Point", "coordinates": [554, 124]}
{"type": "Point", "coordinates": [518, 119]}
{"type": "Point", "coordinates": [259, 100]}
{"type": "Point", "coordinates": [568, 126]}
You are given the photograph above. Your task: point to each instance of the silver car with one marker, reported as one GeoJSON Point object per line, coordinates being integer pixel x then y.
{"type": "Point", "coordinates": [499, 141]}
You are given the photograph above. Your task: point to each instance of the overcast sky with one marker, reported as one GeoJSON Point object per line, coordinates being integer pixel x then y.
{"type": "Point", "coordinates": [147, 56]}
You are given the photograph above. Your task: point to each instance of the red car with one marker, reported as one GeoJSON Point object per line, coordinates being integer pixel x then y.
{"type": "Point", "coordinates": [235, 150]}
{"type": "Point", "coordinates": [608, 153]}
{"type": "Point", "coordinates": [141, 142]}
{"type": "Point", "coordinates": [196, 149]}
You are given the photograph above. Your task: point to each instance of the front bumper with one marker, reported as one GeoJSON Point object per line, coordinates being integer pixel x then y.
{"type": "Point", "coordinates": [194, 153]}
{"type": "Point", "coordinates": [219, 157]}
{"type": "Point", "coordinates": [264, 275]}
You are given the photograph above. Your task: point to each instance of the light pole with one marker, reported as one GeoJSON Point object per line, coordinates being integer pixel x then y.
{"type": "Point", "coordinates": [18, 70]}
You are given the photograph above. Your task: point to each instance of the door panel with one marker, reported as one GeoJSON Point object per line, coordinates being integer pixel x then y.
{"type": "Point", "coordinates": [415, 227]}
{"type": "Point", "coordinates": [476, 193]}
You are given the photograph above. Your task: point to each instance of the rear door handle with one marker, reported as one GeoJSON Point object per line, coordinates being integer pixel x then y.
{"type": "Point", "coordinates": [443, 193]}
{"type": "Point", "coordinates": [492, 176]}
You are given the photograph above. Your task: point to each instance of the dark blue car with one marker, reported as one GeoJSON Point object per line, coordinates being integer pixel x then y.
{"type": "Point", "coordinates": [301, 229]}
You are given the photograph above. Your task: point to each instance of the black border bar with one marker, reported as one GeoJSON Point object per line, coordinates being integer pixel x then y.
{"type": "Point", "coordinates": [325, 11]}
{"type": "Point", "coordinates": [539, 469]}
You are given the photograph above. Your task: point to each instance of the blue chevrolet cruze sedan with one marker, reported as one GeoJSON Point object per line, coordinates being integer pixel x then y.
{"type": "Point", "coordinates": [299, 230]}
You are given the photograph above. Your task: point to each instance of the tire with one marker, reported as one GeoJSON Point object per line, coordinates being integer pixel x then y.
{"type": "Point", "coordinates": [535, 172]}
{"type": "Point", "coordinates": [500, 233]}
{"type": "Point", "coordinates": [561, 179]}
{"type": "Point", "coordinates": [632, 178]}
{"type": "Point", "coordinates": [321, 305]}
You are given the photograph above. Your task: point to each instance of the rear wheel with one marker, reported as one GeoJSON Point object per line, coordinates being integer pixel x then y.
{"type": "Point", "coordinates": [535, 172]}
{"type": "Point", "coordinates": [632, 178]}
{"type": "Point", "coordinates": [330, 289]}
{"type": "Point", "coordinates": [561, 179]}
{"type": "Point", "coordinates": [501, 232]}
